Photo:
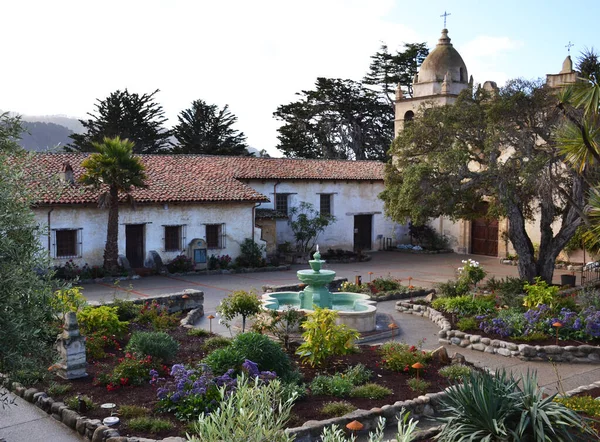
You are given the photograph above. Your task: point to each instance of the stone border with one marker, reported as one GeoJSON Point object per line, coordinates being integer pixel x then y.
{"type": "Point", "coordinates": [581, 389]}
{"type": "Point", "coordinates": [422, 252]}
{"type": "Point", "coordinates": [189, 299]}
{"type": "Point", "coordinates": [553, 353]}
{"type": "Point", "coordinates": [392, 295]}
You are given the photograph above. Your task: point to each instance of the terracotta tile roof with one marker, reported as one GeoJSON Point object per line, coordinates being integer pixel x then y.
{"type": "Point", "coordinates": [194, 178]}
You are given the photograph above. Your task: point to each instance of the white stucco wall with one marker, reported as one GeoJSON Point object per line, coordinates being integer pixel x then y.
{"type": "Point", "coordinates": [349, 198]}
{"type": "Point", "coordinates": [92, 220]}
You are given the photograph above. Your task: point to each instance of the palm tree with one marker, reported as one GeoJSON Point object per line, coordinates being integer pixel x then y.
{"type": "Point", "coordinates": [113, 169]}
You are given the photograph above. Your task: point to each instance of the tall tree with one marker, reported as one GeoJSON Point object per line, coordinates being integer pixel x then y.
{"type": "Point", "coordinates": [113, 169]}
{"type": "Point", "coordinates": [126, 115]}
{"type": "Point", "coordinates": [500, 148]}
{"type": "Point", "coordinates": [339, 119]}
{"type": "Point", "coordinates": [206, 129]}
{"type": "Point", "coordinates": [389, 70]}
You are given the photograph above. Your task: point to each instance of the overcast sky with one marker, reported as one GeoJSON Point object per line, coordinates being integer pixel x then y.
{"type": "Point", "coordinates": [60, 55]}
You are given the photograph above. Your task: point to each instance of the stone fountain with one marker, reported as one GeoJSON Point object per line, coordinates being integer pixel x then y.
{"type": "Point", "coordinates": [356, 310]}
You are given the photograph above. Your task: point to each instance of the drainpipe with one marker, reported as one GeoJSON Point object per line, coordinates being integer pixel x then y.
{"type": "Point", "coordinates": [275, 194]}
{"type": "Point", "coordinates": [254, 219]}
{"type": "Point", "coordinates": [50, 232]}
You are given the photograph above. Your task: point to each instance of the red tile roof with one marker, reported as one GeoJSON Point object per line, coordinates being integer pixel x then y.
{"type": "Point", "coordinates": [195, 178]}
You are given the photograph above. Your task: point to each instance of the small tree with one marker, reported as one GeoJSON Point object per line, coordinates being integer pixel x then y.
{"type": "Point", "coordinates": [240, 302]}
{"type": "Point", "coordinates": [307, 224]}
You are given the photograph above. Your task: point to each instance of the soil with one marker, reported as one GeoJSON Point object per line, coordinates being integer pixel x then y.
{"type": "Point", "coordinates": [190, 352]}
{"type": "Point", "coordinates": [453, 319]}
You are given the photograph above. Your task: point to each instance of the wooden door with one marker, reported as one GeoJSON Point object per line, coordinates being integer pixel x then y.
{"type": "Point", "coordinates": [363, 226]}
{"type": "Point", "coordinates": [484, 237]}
{"type": "Point", "coordinates": [134, 244]}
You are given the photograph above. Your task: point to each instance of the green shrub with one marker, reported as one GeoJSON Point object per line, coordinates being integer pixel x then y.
{"type": "Point", "coordinates": [384, 284]}
{"type": "Point", "coordinates": [397, 356]}
{"type": "Point", "coordinates": [371, 391]}
{"type": "Point", "coordinates": [589, 297]}
{"type": "Point", "coordinates": [130, 370]}
{"type": "Point", "coordinates": [55, 389]}
{"type": "Point", "coordinates": [97, 344]}
{"type": "Point", "coordinates": [323, 338]}
{"type": "Point", "coordinates": [353, 288]}
{"type": "Point", "coordinates": [157, 316]}
{"type": "Point", "coordinates": [126, 310]}
{"type": "Point", "coordinates": [451, 288]}
{"type": "Point", "coordinates": [455, 372]}
{"type": "Point", "coordinates": [509, 291]}
{"type": "Point", "coordinates": [471, 272]}
{"type": "Point", "coordinates": [419, 386]}
{"type": "Point", "coordinates": [358, 374]}
{"type": "Point", "coordinates": [496, 407]}
{"type": "Point", "coordinates": [103, 320]}
{"type": "Point", "coordinates": [73, 402]}
{"type": "Point", "coordinates": [251, 254]}
{"type": "Point", "coordinates": [149, 424]}
{"type": "Point", "coordinates": [327, 385]}
{"type": "Point", "coordinates": [260, 349]}
{"type": "Point", "coordinates": [468, 323]}
{"type": "Point", "coordinates": [337, 409]}
{"type": "Point", "coordinates": [67, 299]}
{"type": "Point", "coordinates": [159, 345]}
{"type": "Point", "coordinates": [582, 404]}
{"type": "Point", "coordinates": [243, 303]}
{"type": "Point", "coordinates": [253, 412]}
{"type": "Point", "coordinates": [198, 332]}
{"type": "Point", "coordinates": [216, 342]}
{"type": "Point", "coordinates": [131, 411]}
{"type": "Point", "coordinates": [180, 264]}
{"type": "Point", "coordinates": [540, 293]}
{"type": "Point", "coordinates": [465, 305]}
{"type": "Point", "coordinates": [533, 336]}
{"type": "Point", "coordinates": [280, 324]}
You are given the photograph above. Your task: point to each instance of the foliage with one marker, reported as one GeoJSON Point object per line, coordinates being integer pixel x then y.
{"type": "Point", "coordinates": [26, 329]}
{"type": "Point", "coordinates": [307, 224]}
{"type": "Point", "coordinates": [358, 374]}
{"type": "Point", "coordinates": [507, 322]}
{"type": "Point", "coordinates": [251, 346]}
{"type": "Point", "coordinates": [159, 345]}
{"type": "Point", "coordinates": [67, 299]}
{"type": "Point", "coordinates": [101, 320]}
{"type": "Point", "coordinates": [96, 345]}
{"type": "Point", "coordinates": [397, 356]}
{"type": "Point", "coordinates": [56, 389]}
{"type": "Point", "coordinates": [149, 424]}
{"type": "Point", "coordinates": [471, 273]}
{"type": "Point", "coordinates": [240, 302]}
{"type": "Point", "coordinates": [281, 324]}
{"type": "Point", "coordinates": [253, 412]}
{"type": "Point", "coordinates": [371, 391]}
{"type": "Point", "coordinates": [465, 305]}
{"type": "Point", "coordinates": [251, 254]}
{"type": "Point", "coordinates": [130, 370]}
{"type": "Point", "coordinates": [509, 290]}
{"type": "Point", "coordinates": [336, 385]}
{"type": "Point", "coordinates": [206, 129]}
{"type": "Point", "coordinates": [338, 119]}
{"type": "Point", "coordinates": [220, 262]}
{"type": "Point", "coordinates": [540, 293]}
{"type": "Point", "coordinates": [419, 386]}
{"type": "Point", "coordinates": [158, 316]}
{"type": "Point", "coordinates": [126, 115]}
{"type": "Point", "coordinates": [452, 288]}
{"type": "Point", "coordinates": [131, 411]}
{"type": "Point", "coordinates": [180, 264]}
{"type": "Point", "coordinates": [73, 402]}
{"type": "Point", "coordinates": [427, 237]}
{"type": "Point", "coordinates": [126, 309]}
{"type": "Point", "coordinates": [494, 407]}
{"type": "Point", "coordinates": [455, 372]}
{"type": "Point", "coordinates": [384, 284]}
{"type": "Point", "coordinates": [199, 332]}
{"type": "Point", "coordinates": [467, 323]}
{"type": "Point", "coordinates": [336, 409]}
{"type": "Point", "coordinates": [589, 297]}
{"type": "Point", "coordinates": [430, 177]}
{"type": "Point", "coordinates": [353, 288]}
{"type": "Point", "coordinates": [323, 338]}
{"type": "Point", "coordinates": [113, 169]}
{"type": "Point", "coordinates": [390, 70]}
{"type": "Point", "coordinates": [215, 342]}
{"type": "Point", "coordinates": [582, 404]}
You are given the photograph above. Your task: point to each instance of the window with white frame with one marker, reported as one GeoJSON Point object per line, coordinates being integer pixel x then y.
{"type": "Point", "coordinates": [67, 243]}
{"type": "Point", "coordinates": [325, 206]}
{"type": "Point", "coordinates": [215, 236]}
{"type": "Point", "coordinates": [174, 238]}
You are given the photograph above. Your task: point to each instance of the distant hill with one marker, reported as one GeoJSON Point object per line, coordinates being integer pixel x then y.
{"type": "Point", "coordinates": [39, 136]}
{"type": "Point", "coordinates": [70, 123]}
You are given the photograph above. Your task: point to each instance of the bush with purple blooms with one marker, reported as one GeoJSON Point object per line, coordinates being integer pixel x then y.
{"type": "Point", "coordinates": [190, 392]}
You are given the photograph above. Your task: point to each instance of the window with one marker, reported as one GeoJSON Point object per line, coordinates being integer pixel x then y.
{"type": "Point", "coordinates": [67, 243]}
{"type": "Point", "coordinates": [409, 115]}
{"type": "Point", "coordinates": [173, 238]}
{"type": "Point", "coordinates": [281, 203]}
{"type": "Point", "coordinates": [325, 204]}
{"type": "Point", "coordinates": [215, 236]}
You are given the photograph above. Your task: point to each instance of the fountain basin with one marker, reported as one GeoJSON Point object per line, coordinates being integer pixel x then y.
{"type": "Point", "coordinates": [355, 310]}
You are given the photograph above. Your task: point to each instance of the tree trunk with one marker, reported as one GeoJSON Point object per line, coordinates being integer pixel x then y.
{"type": "Point", "coordinates": [111, 249]}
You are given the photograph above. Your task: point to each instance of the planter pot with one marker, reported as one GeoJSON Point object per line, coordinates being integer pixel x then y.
{"type": "Point", "coordinates": [567, 280]}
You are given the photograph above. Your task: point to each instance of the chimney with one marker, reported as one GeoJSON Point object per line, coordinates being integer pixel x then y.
{"type": "Point", "coordinates": [66, 173]}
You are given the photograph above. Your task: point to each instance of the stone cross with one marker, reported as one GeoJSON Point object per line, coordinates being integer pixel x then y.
{"type": "Point", "coordinates": [71, 348]}
{"type": "Point", "coordinates": [569, 46]}
{"type": "Point", "coordinates": [446, 14]}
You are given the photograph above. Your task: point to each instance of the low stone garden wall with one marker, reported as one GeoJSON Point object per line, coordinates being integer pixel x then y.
{"type": "Point", "coordinates": [555, 353]}
{"type": "Point", "coordinates": [393, 295]}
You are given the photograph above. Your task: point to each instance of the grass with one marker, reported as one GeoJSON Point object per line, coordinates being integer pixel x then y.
{"type": "Point", "coordinates": [56, 389]}
{"type": "Point", "coordinates": [73, 402]}
{"type": "Point", "coordinates": [371, 391]}
{"type": "Point", "coordinates": [198, 332]}
{"type": "Point", "coordinates": [133, 411]}
{"type": "Point", "coordinates": [149, 424]}
{"type": "Point", "coordinates": [338, 408]}
{"type": "Point", "coordinates": [418, 385]}
{"type": "Point", "coordinates": [455, 372]}
{"type": "Point", "coordinates": [216, 342]}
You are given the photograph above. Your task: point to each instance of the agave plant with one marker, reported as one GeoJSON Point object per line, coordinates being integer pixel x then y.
{"type": "Point", "coordinates": [494, 408]}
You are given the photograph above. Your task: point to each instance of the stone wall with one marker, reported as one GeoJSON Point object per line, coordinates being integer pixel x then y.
{"type": "Point", "coordinates": [189, 299]}
{"type": "Point", "coordinates": [554, 353]}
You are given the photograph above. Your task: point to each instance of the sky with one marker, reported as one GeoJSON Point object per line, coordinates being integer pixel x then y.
{"type": "Point", "coordinates": [60, 56]}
